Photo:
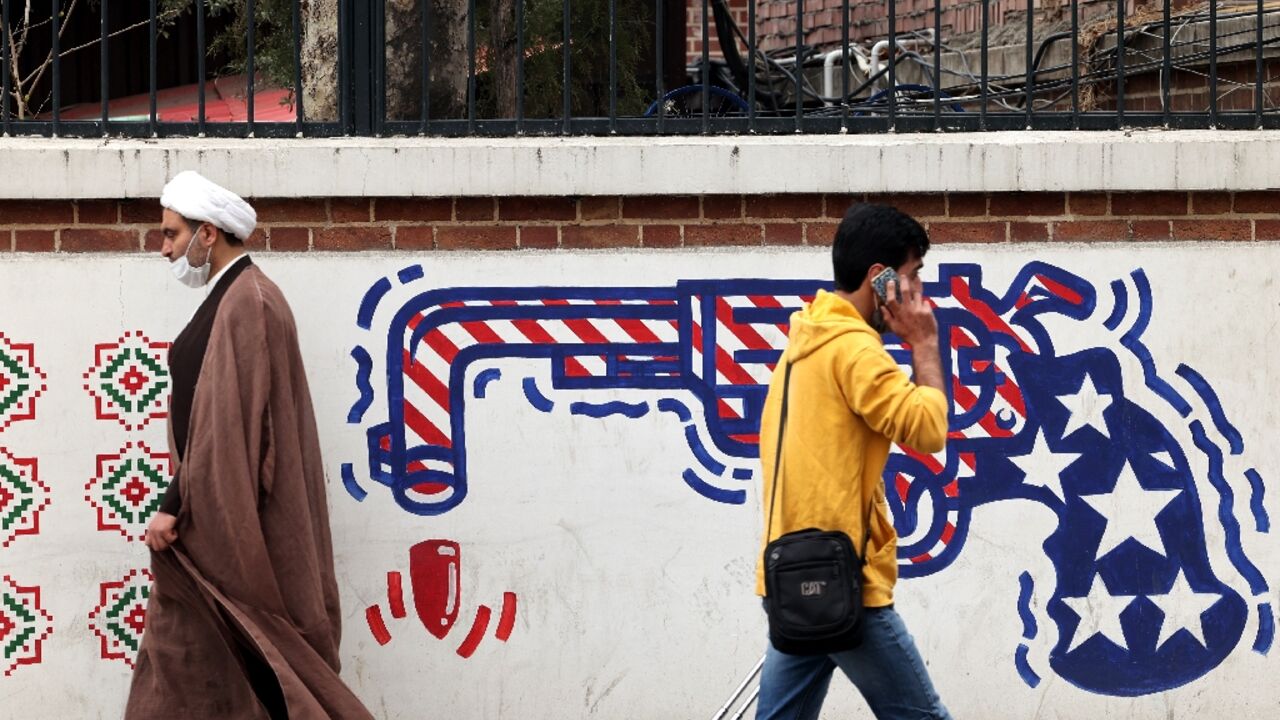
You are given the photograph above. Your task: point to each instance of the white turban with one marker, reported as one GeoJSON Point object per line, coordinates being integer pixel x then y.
{"type": "Point", "coordinates": [194, 197]}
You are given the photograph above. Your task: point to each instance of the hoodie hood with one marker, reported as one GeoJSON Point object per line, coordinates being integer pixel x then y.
{"type": "Point", "coordinates": [828, 317]}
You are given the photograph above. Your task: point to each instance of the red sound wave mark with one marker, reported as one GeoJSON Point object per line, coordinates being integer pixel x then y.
{"type": "Point", "coordinates": [508, 619]}
{"type": "Point", "coordinates": [478, 629]}
{"type": "Point", "coordinates": [395, 594]}
{"type": "Point", "coordinates": [373, 616]}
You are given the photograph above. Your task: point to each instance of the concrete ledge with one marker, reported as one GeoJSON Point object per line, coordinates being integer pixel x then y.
{"type": "Point", "coordinates": [41, 168]}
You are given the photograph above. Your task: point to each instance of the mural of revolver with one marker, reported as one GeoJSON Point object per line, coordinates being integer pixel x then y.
{"type": "Point", "coordinates": [1129, 465]}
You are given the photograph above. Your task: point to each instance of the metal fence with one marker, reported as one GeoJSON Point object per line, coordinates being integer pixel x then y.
{"type": "Point", "coordinates": [1177, 67]}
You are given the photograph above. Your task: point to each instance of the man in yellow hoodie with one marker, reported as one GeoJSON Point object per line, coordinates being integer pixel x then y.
{"type": "Point", "coordinates": [848, 402]}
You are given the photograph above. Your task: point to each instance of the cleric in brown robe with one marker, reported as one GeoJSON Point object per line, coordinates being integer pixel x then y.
{"type": "Point", "coordinates": [243, 620]}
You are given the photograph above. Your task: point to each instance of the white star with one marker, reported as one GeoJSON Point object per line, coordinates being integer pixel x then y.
{"type": "Point", "coordinates": [1099, 613]}
{"type": "Point", "coordinates": [1043, 467]}
{"type": "Point", "coordinates": [1130, 510]}
{"type": "Point", "coordinates": [1184, 609]}
{"type": "Point", "coordinates": [1086, 407]}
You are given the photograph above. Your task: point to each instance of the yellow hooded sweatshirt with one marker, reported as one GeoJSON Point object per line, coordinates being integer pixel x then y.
{"type": "Point", "coordinates": [849, 400]}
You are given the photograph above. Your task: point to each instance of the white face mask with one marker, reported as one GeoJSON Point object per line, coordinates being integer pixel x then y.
{"type": "Point", "coordinates": [192, 277]}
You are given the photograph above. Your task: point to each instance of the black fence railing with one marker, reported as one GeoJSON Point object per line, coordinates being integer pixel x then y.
{"type": "Point", "coordinates": [278, 68]}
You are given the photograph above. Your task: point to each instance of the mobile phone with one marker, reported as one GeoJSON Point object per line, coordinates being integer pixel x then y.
{"type": "Point", "coordinates": [880, 284]}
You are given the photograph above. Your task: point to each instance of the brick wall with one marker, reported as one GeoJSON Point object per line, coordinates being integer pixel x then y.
{"type": "Point", "coordinates": [653, 222]}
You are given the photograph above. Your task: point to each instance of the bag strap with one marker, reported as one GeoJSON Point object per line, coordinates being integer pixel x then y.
{"type": "Point", "coordinates": [777, 465]}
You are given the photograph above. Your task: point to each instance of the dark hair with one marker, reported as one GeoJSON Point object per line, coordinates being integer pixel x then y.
{"type": "Point", "coordinates": [871, 234]}
{"type": "Point", "coordinates": [194, 227]}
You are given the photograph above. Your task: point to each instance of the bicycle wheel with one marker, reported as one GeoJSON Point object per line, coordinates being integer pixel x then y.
{"type": "Point", "coordinates": [687, 102]}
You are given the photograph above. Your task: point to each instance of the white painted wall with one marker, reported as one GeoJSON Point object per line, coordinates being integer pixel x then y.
{"type": "Point", "coordinates": [417, 167]}
{"type": "Point", "coordinates": [635, 593]}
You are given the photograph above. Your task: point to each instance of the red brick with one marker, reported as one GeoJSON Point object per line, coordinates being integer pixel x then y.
{"type": "Point", "coordinates": [916, 205]}
{"type": "Point", "coordinates": [735, 234]}
{"type": "Point", "coordinates": [1028, 204]}
{"type": "Point", "coordinates": [97, 212]}
{"type": "Point", "coordinates": [1091, 230]}
{"type": "Point", "coordinates": [540, 237]}
{"type": "Point", "coordinates": [139, 212]}
{"type": "Point", "coordinates": [784, 206]}
{"type": "Point", "coordinates": [349, 237]}
{"type": "Point", "coordinates": [1149, 203]}
{"type": "Point", "coordinates": [349, 210]}
{"type": "Point", "coordinates": [537, 208]}
{"type": "Point", "coordinates": [784, 233]}
{"type": "Point", "coordinates": [1149, 229]}
{"type": "Point", "coordinates": [84, 240]}
{"type": "Point", "coordinates": [1258, 201]}
{"type": "Point", "coordinates": [1267, 229]}
{"type": "Point", "coordinates": [598, 208]}
{"type": "Point", "coordinates": [257, 240]}
{"type": "Point", "coordinates": [1210, 203]}
{"type": "Point", "coordinates": [290, 210]}
{"type": "Point", "coordinates": [33, 240]}
{"type": "Point", "coordinates": [966, 204]}
{"type": "Point", "coordinates": [661, 236]}
{"type": "Point", "coordinates": [475, 208]}
{"type": "Point", "coordinates": [42, 212]}
{"type": "Point", "coordinates": [599, 236]}
{"type": "Point", "coordinates": [662, 207]}
{"type": "Point", "coordinates": [836, 205]}
{"type": "Point", "coordinates": [476, 237]}
{"type": "Point", "coordinates": [967, 232]}
{"type": "Point", "coordinates": [290, 239]}
{"type": "Point", "coordinates": [413, 209]}
{"type": "Point", "coordinates": [152, 240]}
{"type": "Point", "coordinates": [820, 234]}
{"type": "Point", "coordinates": [1212, 230]}
{"type": "Point", "coordinates": [1028, 231]}
{"type": "Point", "coordinates": [720, 207]}
{"type": "Point", "coordinates": [1087, 203]}
{"type": "Point", "coordinates": [415, 237]}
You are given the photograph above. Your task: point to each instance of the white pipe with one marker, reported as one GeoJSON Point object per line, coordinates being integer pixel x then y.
{"type": "Point", "coordinates": [882, 47]}
{"type": "Point", "coordinates": [829, 71]}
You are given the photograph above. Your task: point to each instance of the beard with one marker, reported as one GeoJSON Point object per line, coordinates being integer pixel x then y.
{"type": "Point", "coordinates": [878, 322]}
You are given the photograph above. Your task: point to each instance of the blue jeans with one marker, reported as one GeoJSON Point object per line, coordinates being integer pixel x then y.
{"type": "Point", "coordinates": [886, 668]}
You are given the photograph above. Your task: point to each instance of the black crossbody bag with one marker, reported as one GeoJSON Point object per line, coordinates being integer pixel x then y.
{"type": "Point", "coordinates": [812, 579]}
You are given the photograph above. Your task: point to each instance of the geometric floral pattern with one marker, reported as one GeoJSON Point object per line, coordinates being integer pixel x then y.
{"type": "Point", "coordinates": [129, 380]}
{"type": "Point", "coordinates": [128, 488]}
{"type": "Point", "coordinates": [121, 615]}
{"type": "Point", "coordinates": [21, 382]}
{"type": "Point", "coordinates": [24, 625]}
{"type": "Point", "coordinates": [22, 498]}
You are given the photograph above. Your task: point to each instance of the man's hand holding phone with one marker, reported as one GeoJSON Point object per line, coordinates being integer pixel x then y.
{"type": "Point", "coordinates": [910, 316]}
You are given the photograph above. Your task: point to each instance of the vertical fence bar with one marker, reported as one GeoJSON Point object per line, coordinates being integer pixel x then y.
{"type": "Point", "coordinates": [983, 90]}
{"type": "Point", "coordinates": [892, 58]}
{"type": "Point", "coordinates": [1029, 89]}
{"type": "Point", "coordinates": [660, 49]}
{"type": "Point", "coordinates": [706, 70]}
{"type": "Point", "coordinates": [152, 32]}
{"type": "Point", "coordinates": [1120, 51]}
{"type": "Point", "coordinates": [104, 79]}
{"type": "Point", "coordinates": [5, 51]}
{"type": "Point", "coordinates": [200, 69]}
{"type": "Point", "coordinates": [519, 67]}
{"type": "Point", "coordinates": [613, 67]}
{"type": "Point", "coordinates": [252, 22]}
{"type": "Point", "coordinates": [844, 66]}
{"type": "Point", "coordinates": [1213, 63]}
{"type": "Point", "coordinates": [297, 63]}
{"type": "Point", "coordinates": [1259, 80]}
{"type": "Point", "coordinates": [56, 56]}
{"type": "Point", "coordinates": [1075, 64]}
{"type": "Point", "coordinates": [567, 95]}
{"type": "Point", "coordinates": [471, 67]}
{"type": "Point", "coordinates": [345, 61]}
{"type": "Point", "coordinates": [799, 67]}
{"type": "Point", "coordinates": [751, 65]}
{"type": "Point", "coordinates": [937, 65]}
{"type": "Point", "coordinates": [424, 62]}
{"type": "Point", "coordinates": [378, 64]}
{"type": "Point", "coordinates": [1166, 62]}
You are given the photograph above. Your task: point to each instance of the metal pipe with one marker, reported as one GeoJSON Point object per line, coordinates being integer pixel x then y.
{"type": "Point", "coordinates": [568, 68]}
{"type": "Point", "coordinates": [724, 709]}
{"type": "Point", "coordinates": [200, 68]}
{"type": "Point", "coordinates": [151, 116]}
{"type": "Point", "coordinates": [104, 78]}
{"type": "Point", "coordinates": [706, 69]}
{"type": "Point", "coordinates": [57, 66]}
{"type": "Point", "coordinates": [251, 65]}
{"type": "Point", "coordinates": [297, 63]}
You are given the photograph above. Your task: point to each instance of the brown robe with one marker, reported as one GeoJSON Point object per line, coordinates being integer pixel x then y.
{"type": "Point", "coordinates": [247, 599]}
